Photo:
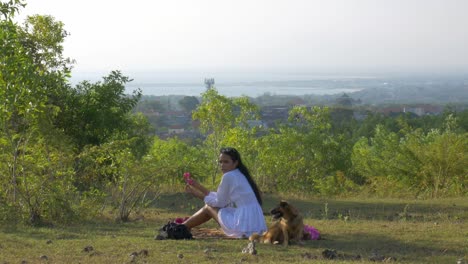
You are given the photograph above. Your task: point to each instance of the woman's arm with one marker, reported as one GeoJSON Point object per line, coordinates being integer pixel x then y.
{"type": "Point", "coordinates": [221, 197]}
{"type": "Point", "coordinates": [200, 187]}
{"type": "Point", "coordinates": [195, 192]}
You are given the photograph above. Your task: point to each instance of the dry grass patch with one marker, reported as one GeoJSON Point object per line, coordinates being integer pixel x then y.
{"type": "Point", "coordinates": [354, 231]}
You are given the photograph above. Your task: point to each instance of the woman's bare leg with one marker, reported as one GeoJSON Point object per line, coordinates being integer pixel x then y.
{"type": "Point", "coordinates": [202, 216]}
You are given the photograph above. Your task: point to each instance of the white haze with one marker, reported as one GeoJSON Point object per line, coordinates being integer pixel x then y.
{"type": "Point", "coordinates": [250, 37]}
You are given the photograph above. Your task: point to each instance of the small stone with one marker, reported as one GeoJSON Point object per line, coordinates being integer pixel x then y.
{"type": "Point", "coordinates": [181, 256]}
{"type": "Point", "coordinates": [307, 255]}
{"type": "Point", "coordinates": [134, 254]}
{"type": "Point", "coordinates": [329, 254]}
{"type": "Point", "coordinates": [43, 257]}
{"type": "Point", "coordinates": [208, 250]}
{"type": "Point", "coordinates": [161, 236]}
{"type": "Point", "coordinates": [144, 252]}
{"type": "Point", "coordinates": [49, 241]}
{"type": "Point", "coordinates": [377, 258]}
{"type": "Point", "coordinates": [88, 249]}
{"type": "Point", "coordinates": [250, 249]}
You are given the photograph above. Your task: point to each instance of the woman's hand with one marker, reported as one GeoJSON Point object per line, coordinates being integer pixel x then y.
{"type": "Point", "coordinates": [195, 184]}
{"type": "Point", "coordinates": [199, 187]}
{"type": "Point", "coordinates": [195, 192]}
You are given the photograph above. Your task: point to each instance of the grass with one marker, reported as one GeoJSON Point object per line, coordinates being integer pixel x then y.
{"type": "Point", "coordinates": [399, 231]}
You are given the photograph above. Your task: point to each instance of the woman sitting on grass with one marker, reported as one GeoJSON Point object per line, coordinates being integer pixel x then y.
{"type": "Point", "coordinates": [236, 206]}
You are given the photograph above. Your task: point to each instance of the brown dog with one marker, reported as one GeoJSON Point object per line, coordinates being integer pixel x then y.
{"type": "Point", "coordinates": [288, 227]}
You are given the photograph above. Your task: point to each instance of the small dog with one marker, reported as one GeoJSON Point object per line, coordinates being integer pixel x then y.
{"type": "Point", "coordinates": [288, 226]}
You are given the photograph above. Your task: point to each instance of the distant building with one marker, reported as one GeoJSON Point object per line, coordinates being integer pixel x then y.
{"type": "Point", "coordinates": [390, 110]}
{"type": "Point", "coordinates": [423, 109]}
{"type": "Point", "coordinates": [176, 129]}
{"type": "Point", "coordinates": [419, 110]}
{"type": "Point", "coordinates": [298, 102]}
{"type": "Point", "coordinates": [273, 114]}
{"type": "Point", "coordinates": [344, 100]}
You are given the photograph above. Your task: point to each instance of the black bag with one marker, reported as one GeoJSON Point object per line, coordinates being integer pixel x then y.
{"type": "Point", "coordinates": [176, 231]}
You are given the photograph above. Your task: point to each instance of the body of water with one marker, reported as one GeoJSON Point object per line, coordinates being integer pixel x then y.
{"type": "Point", "coordinates": [238, 84]}
{"type": "Point", "coordinates": [252, 89]}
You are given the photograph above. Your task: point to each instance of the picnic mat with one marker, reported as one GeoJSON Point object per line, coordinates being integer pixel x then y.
{"type": "Point", "coordinates": [209, 233]}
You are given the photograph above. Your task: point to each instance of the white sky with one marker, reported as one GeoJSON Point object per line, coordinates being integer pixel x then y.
{"type": "Point", "coordinates": [262, 35]}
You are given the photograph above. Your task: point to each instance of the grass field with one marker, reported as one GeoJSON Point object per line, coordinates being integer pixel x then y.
{"type": "Point", "coordinates": [358, 230]}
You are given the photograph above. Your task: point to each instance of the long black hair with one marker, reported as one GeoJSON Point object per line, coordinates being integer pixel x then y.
{"type": "Point", "coordinates": [235, 156]}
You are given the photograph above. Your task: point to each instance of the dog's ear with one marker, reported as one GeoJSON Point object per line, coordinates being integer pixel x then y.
{"type": "Point", "coordinates": [294, 210]}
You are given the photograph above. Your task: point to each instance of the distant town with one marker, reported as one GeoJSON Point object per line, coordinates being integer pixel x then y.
{"type": "Point", "coordinates": [171, 115]}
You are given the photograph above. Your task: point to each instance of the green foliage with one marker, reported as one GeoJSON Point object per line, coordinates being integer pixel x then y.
{"type": "Point", "coordinates": [94, 113]}
{"type": "Point", "coordinates": [35, 172]}
{"type": "Point", "coordinates": [129, 191]}
{"type": "Point", "coordinates": [42, 120]}
{"type": "Point", "coordinates": [431, 163]}
{"type": "Point", "coordinates": [443, 158]}
{"type": "Point", "coordinates": [218, 115]}
{"type": "Point", "coordinates": [10, 8]}
{"type": "Point", "coordinates": [297, 156]}
{"type": "Point", "coordinates": [215, 113]}
{"type": "Point", "coordinates": [43, 36]}
{"type": "Point", "coordinates": [43, 189]}
{"type": "Point", "coordinates": [189, 103]}
{"type": "Point", "coordinates": [139, 134]}
{"type": "Point", "coordinates": [336, 185]}
{"type": "Point", "coordinates": [111, 174]}
{"type": "Point", "coordinates": [171, 158]}
{"type": "Point", "coordinates": [66, 153]}
{"type": "Point", "coordinates": [246, 142]}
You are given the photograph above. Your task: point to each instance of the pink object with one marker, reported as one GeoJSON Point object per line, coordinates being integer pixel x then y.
{"type": "Point", "coordinates": [187, 178]}
{"type": "Point", "coordinates": [180, 220]}
{"type": "Point", "coordinates": [314, 233]}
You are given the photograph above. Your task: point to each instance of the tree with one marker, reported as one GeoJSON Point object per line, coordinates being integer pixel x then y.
{"type": "Point", "coordinates": [442, 158]}
{"type": "Point", "coordinates": [189, 103]}
{"type": "Point", "coordinates": [140, 133]}
{"type": "Point", "coordinates": [93, 113]}
{"type": "Point", "coordinates": [344, 101]}
{"type": "Point", "coordinates": [302, 153]}
{"type": "Point", "coordinates": [432, 163]}
{"type": "Point", "coordinates": [117, 176]}
{"type": "Point", "coordinates": [32, 68]}
{"type": "Point", "coordinates": [218, 115]}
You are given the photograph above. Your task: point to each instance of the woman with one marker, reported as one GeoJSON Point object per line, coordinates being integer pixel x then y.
{"type": "Point", "coordinates": [236, 205]}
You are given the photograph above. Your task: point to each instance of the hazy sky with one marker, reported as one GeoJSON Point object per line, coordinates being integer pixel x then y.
{"type": "Point", "coordinates": [262, 35]}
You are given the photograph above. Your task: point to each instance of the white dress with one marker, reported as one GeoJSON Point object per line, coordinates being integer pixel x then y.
{"type": "Point", "coordinates": [240, 214]}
